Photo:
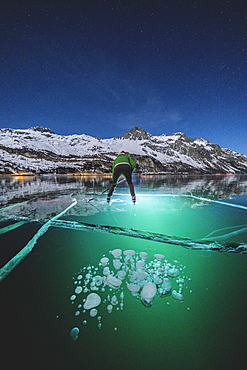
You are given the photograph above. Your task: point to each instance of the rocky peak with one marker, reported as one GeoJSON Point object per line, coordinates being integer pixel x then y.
{"type": "Point", "coordinates": [42, 129]}
{"type": "Point", "coordinates": [182, 137]}
{"type": "Point", "coordinates": [136, 133]}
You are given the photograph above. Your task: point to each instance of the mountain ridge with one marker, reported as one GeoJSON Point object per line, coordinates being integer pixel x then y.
{"type": "Point", "coordinates": [40, 150]}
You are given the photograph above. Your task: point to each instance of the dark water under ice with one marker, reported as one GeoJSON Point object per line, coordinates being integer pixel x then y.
{"type": "Point", "coordinates": [39, 305]}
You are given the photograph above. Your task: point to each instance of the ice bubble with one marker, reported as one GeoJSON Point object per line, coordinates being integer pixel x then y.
{"type": "Point", "coordinates": [93, 312]}
{"type": "Point", "coordinates": [140, 264]}
{"type": "Point", "coordinates": [133, 276]}
{"type": "Point", "coordinates": [180, 290]}
{"type": "Point", "coordinates": [167, 285]}
{"type": "Point", "coordinates": [121, 274]}
{"type": "Point", "coordinates": [177, 295]}
{"type": "Point", "coordinates": [159, 256]}
{"type": "Point", "coordinates": [144, 279]}
{"type": "Point", "coordinates": [106, 271]}
{"type": "Point", "coordinates": [93, 286]}
{"type": "Point", "coordinates": [173, 272]}
{"type": "Point", "coordinates": [74, 333]}
{"type": "Point", "coordinates": [116, 253]}
{"type": "Point", "coordinates": [143, 255]}
{"type": "Point", "coordinates": [113, 282]}
{"type": "Point", "coordinates": [78, 289]}
{"type": "Point", "coordinates": [166, 269]}
{"type": "Point", "coordinates": [109, 308]}
{"type": "Point", "coordinates": [98, 280]}
{"type": "Point", "coordinates": [77, 313]}
{"type": "Point", "coordinates": [117, 264]}
{"type": "Point", "coordinates": [134, 288]}
{"type": "Point", "coordinates": [114, 300]}
{"type": "Point", "coordinates": [104, 261]}
{"type": "Point", "coordinates": [129, 252]}
{"type": "Point", "coordinates": [156, 264]}
{"type": "Point", "coordinates": [147, 293]}
{"type": "Point", "coordinates": [92, 300]}
{"type": "Point", "coordinates": [157, 279]}
{"type": "Point", "coordinates": [84, 322]}
{"type": "Point", "coordinates": [141, 275]}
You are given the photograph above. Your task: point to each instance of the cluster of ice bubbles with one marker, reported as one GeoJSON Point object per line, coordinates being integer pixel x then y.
{"type": "Point", "coordinates": [144, 280]}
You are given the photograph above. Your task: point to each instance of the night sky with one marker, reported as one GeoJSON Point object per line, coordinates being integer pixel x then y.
{"type": "Point", "coordinates": [101, 67]}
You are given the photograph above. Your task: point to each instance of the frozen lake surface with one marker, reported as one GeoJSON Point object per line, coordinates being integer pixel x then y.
{"type": "Point", "coordinates": [169, 274]}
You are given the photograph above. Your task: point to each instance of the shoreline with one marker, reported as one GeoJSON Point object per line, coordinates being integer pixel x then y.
{"type": "Point", "coordinates": [109, 175]}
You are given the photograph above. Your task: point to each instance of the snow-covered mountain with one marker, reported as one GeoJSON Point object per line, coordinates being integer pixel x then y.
{"type": "Point", "coordinates": [39, 150]}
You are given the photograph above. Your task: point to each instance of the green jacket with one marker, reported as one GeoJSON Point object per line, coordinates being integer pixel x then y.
{"type": "Point", "coordinates": [123, 158]}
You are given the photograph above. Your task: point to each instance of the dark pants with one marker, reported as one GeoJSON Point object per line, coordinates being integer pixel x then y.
{"type": "Point", "coordinates": [122, 169]}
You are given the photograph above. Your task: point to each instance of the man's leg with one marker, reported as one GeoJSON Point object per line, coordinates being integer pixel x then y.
{"type": "Point", "coordinates": [116, 173]}
{"type": "Point", "coordinates": [128, 176]}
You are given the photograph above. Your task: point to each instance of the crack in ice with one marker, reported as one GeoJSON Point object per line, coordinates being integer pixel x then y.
{"type": "Point", "coordinates": [10, 265]}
